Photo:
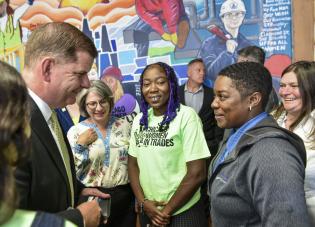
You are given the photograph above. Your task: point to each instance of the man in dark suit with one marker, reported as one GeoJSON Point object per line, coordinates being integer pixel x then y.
{"type": "Point", "coordinates": [58, 57]}
{"type": "Point", "coordinates": [200, 97]}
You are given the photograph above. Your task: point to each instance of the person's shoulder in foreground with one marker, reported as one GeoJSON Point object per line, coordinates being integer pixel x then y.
{"type": "Point", "coordinates": [24, 218]}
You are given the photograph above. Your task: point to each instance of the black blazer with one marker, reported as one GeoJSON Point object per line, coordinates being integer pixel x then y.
{"type": "Point", "coordinates": [213, 133]}
{"type": "Point", "coordinates": [42, 182]}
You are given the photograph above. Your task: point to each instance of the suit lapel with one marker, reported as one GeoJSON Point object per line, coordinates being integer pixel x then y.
{"type": "Point", "coordinates": [207, 96]}
{"type": "Point", "coordinates": [181, 92]}
{"type": "Point", "coordinates": [43, 133]}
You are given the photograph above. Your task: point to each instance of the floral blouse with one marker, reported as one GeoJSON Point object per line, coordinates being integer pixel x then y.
{"type": "Point", "coordinates": [104, 162]}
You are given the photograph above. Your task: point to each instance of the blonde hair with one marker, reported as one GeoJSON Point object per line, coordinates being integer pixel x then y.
{"type": "Point", "coordinates": [119, 92]}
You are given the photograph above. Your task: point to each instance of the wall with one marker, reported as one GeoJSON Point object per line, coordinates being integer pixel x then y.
{"type": "Point", "coordinates": [124, 40]}
{"type": "Point", "coordinates": [303, 29]}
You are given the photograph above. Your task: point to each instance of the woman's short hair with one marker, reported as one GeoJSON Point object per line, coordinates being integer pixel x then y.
{"type": "Point", "coordinates": [14, 134]}
{"type": "Point", "coordinates": [173, 102]}
{"type": "Point", "coordinates": [100, 88]}
{"type": "Point", "coordinates": [305, 74]}
{"type": "Point", "coordinates": [250, 77]}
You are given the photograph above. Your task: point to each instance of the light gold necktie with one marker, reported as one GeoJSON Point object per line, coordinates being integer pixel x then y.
{"type": "Point", "coordinates": [57, 129]}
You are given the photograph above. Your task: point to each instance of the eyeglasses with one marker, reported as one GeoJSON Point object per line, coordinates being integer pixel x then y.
{"type": "Point", "coordinates": [93, 104]}
{"type": "Point", "coordinates": [234, 15]}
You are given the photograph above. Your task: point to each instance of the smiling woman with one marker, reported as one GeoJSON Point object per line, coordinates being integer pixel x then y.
{"type": "Point", "coordinates": [297, 114]}
{"type": "Point", "coordinates": [258, 160]}
{"type": "Point", "coordinates": [99, 145]}
{"type": "Point", "coordinates": [167, 154]}
{"type": "Point", "coordinates": [155, 90]}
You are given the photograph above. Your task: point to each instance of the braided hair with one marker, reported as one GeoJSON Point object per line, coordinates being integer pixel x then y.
{"type": "Point", "coordinates": [173, 102]}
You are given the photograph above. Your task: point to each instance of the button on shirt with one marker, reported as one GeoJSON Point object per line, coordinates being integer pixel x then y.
{"type": "Point", "coordinates": [194, 99]}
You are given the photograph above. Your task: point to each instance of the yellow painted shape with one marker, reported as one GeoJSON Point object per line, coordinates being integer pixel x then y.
{"type": "Point", "coordinates": [83, 5]}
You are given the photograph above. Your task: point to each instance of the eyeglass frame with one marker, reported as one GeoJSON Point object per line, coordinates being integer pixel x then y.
{"type": "Point", "coordinates": [231, 15]}
{"type": "Point", "coordinates": [101, 102]}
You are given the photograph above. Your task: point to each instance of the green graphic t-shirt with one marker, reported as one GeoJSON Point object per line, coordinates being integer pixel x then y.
{"type": "Point", "coordinates": [162, 156]}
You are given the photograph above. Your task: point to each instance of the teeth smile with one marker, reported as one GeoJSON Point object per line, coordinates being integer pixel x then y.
{"type": "Point", "coordinates": [155, 98]}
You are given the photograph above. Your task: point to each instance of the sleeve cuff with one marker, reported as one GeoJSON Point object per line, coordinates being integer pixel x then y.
{"type": "Point", "coordinates": [79, 148]}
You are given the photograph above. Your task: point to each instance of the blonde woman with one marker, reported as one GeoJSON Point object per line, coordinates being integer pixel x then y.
{"type": "Point", "coordinates": [125, 104]}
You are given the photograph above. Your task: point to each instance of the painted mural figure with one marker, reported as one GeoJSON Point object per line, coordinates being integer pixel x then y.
{"type": "Point", "coordinates": [125, 104]}
{"type": "Point", "coordinates": [220, 49]}
{"type": "Point", "coordinates": [166, 17]}
{"type": "Point", "coordinates": [10, 31]}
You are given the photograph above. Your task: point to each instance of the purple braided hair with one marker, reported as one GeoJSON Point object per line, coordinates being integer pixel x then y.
{"type": "Point", "coordinates": [173, 102]}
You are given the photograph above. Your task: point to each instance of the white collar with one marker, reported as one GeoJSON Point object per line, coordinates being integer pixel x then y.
{"type": "Point", "coordinates": [42, 105]}
{"type": "Point", "coordinates": [199, 89]}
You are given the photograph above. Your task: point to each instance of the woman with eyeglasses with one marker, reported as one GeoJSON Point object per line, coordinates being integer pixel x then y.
{"type": "Point", "coordinates": [100, 148]}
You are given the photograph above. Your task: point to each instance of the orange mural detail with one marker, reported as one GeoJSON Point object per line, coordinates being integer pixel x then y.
{"type": "Point", "coordinates": [41, 13]}
{"type": "Point", "coordinates": [111, 12]}
{"type": "Point", "coordinates": [16, 3]}
{"type": "Point", "coordinates": [97, 12]}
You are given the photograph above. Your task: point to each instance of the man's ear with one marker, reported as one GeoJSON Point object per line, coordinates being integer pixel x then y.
{"type": "Point", "coordinates": [46, 68]}
{"type": "Point", "coordinates": [188, 71]}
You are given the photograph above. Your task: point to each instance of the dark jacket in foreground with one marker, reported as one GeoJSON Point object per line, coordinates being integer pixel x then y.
{"type": "Point", "coordinates": [42, 183]}
{"type": "Point", "coordinates": [261, 182]}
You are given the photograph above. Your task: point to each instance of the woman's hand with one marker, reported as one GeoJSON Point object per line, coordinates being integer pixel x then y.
{"type": "Point", "coordinates": [157, 217]}
{"type": "Point", "coordinates": [87, 137]}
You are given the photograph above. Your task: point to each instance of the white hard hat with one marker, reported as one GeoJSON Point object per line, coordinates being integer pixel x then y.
{"type": "Point", "coordinates": [232, 6]}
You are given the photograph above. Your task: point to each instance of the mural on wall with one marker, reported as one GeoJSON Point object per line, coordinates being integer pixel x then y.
{"type": "Point", "coordinates": [10, 29]}
{"type": "Point", "coordinates": [167, 18]}
{"type": "Point", "coordinates": [130, 34]}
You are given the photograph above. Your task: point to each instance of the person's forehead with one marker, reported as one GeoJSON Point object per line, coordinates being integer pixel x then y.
{"type": "Point", "coordinates": [154, 72]}
{"type": "Point", "coordinates": [197, 64]}
{"type": "Point", "coordinates": [93, 94]}
{"type": "Point", "coordinates": [289, 76]}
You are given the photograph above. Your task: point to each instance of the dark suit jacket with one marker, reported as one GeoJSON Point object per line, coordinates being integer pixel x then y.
{"type": "Point", "coordinates": [42, 182]}
{"type": "Point", "coordinates": [212, 132]}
